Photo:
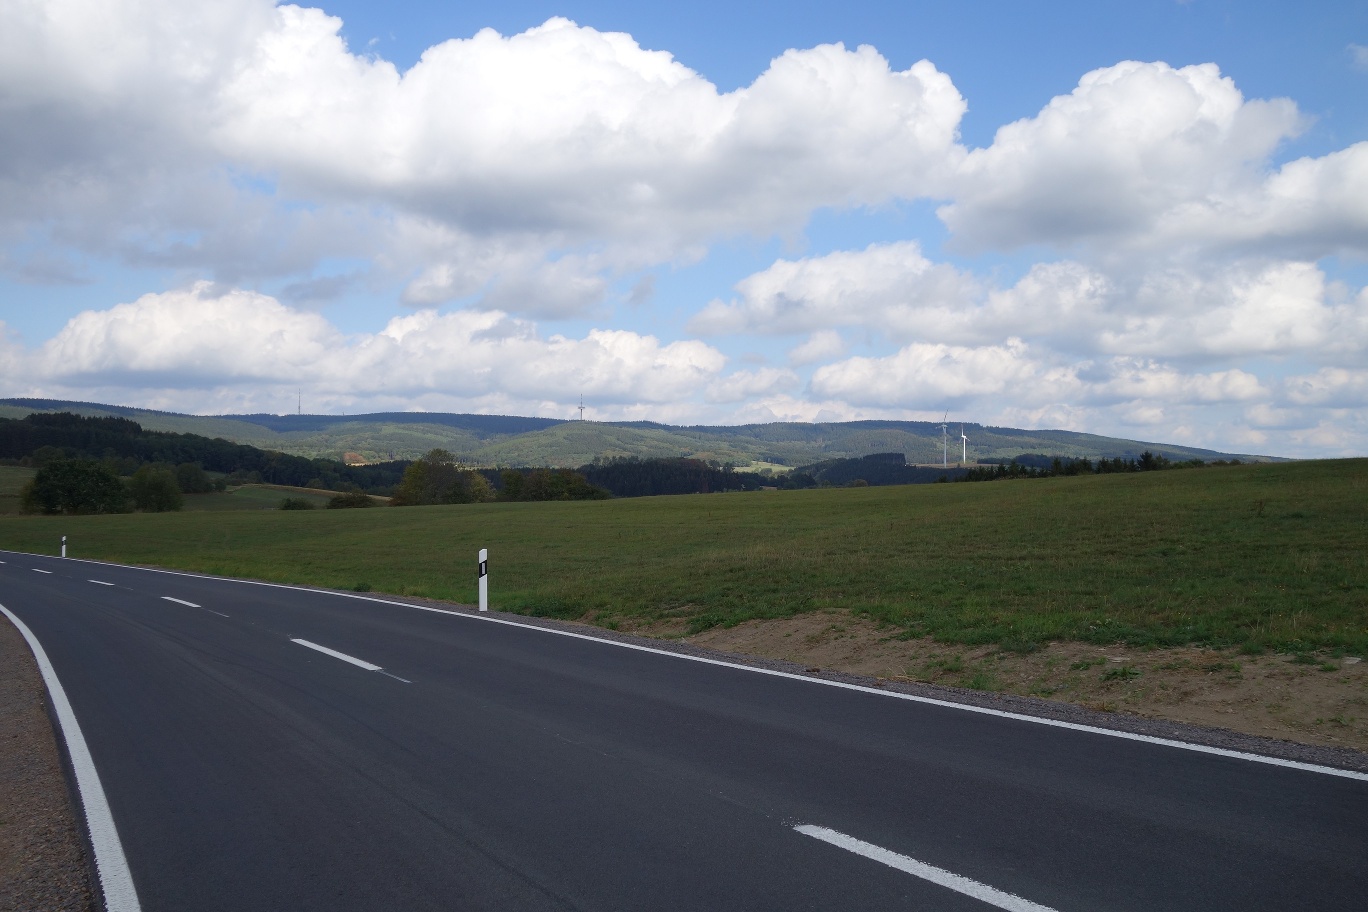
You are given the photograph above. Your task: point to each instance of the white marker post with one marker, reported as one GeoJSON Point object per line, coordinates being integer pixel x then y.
{"type": "Point", "coordinates": [63, 546]}
{"type": "Point", "coordinates": [484, 579]}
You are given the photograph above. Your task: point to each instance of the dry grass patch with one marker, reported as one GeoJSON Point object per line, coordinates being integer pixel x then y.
{"type": "Point", "coordinates": [1310, 698]}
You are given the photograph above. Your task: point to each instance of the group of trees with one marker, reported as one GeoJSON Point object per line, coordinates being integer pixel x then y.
{"type": "Point", "coordinates": [437, 478]}
{"type": "Point", "coordinates": [548, 484]}
{"type": "Point", "coordinates": [75, 486]}
{"type": "Point", "coordinates": [85, 486]}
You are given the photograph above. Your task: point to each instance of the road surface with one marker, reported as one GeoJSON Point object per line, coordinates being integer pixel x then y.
{"type": "Point", "coordinates": [270, 748]}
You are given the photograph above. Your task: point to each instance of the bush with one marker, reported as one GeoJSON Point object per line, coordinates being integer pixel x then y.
{"type": "Point", "coordinates": [155, 490]}
{"type": "Point", "coordinates": [350, 500]}
{"type": "Point", "coordinates": [74, 486]}
{"type": "Point", "coordinates": [296, 503]}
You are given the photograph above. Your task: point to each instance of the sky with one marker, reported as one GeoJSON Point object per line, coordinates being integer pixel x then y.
{"type": "Point", "coordinates": [1146, 220]}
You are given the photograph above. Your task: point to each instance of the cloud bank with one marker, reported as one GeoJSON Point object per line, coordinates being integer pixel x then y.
{"type": "Point", "coordinates": [1172, 269]}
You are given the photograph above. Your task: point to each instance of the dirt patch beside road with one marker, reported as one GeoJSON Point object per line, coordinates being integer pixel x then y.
{"type": "Point", "coordinates": [42, 855]}
{"type": "Point", "coordinates": [1312, 699]}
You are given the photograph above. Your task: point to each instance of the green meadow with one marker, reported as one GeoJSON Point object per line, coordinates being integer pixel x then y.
{"type": "Point", "coordinates": [1271, 556]}
{"type": "Point", "coordinates": [255, 497]}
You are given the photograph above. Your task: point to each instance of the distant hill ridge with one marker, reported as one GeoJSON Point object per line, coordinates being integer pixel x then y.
{"type": "Point", "coordinates": [515, 440]}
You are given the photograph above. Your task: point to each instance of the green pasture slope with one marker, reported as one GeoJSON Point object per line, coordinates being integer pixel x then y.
{"type": "Point", "coordinates": [1259, 556]}
{"type": "Point", "coordinates": [255, 497]}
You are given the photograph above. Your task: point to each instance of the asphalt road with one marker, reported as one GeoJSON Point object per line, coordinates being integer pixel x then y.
{"type": "Point", "coordinates": [496, 766]}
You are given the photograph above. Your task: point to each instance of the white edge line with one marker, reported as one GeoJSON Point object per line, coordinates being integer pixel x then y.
{"type": "Point", "coordinates": [360, 663]}
{"type": "Point", "coordinates": [931, 701]}
{"type": "Point", "coordinates": [939, 876]}
{"type": "Point", "coordinates": [116, 880]}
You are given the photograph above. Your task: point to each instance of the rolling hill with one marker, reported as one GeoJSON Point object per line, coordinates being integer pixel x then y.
{"type": "Point", "coordinates": [512, 440]}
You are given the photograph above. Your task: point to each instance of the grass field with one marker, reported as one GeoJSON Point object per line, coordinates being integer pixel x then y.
{"type": "Point", "coordinates": [255, 497]}
{"type": "Point", "coordinates": [1259, 556]}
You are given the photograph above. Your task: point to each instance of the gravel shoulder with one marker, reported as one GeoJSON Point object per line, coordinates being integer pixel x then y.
{"type": "Point", "coordinates": [43, 861]}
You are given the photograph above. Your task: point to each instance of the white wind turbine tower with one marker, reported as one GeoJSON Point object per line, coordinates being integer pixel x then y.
{"type": "Point", "coordinates": [964, 443]}
{"type": "Point", "coordinates": [945, 442]}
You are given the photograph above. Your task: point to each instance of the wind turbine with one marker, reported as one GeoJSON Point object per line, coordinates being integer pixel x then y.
{"type": "Point", "coordinates": [964, 443]}
{"type": "Point", "coordinates": [945, 442]}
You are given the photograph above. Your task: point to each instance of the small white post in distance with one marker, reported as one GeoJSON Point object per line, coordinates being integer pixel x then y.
{"type": "Point", "coordinates": [484, 579]}
{"type": "Point", "coordinates": [63, 546]}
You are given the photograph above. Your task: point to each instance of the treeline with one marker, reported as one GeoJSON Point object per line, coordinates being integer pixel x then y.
{"type": "Point", "coordinates": [874, 470]}
{"type": "Point", "coordinates": [638, 477]}
{"type": "Point", "coordinates": [1035, 465]}
{"type": "Point", "coordinates": [633, 476]}
{"type": "Point", "coordinates": [437, 478]}
{"type": "Point", "coordinates": [124, 446]}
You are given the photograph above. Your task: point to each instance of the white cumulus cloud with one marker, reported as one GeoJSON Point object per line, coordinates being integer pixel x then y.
{"type": "Point", "coordinates": [203, 338]}
{"type": "Point", "coordinates": [890, 286]}
{"type": "Point", "coordinates": [1131, 141]}
{"type": "Point", "coordinates": [925, 374]}
{"type": "Point", "coordinates": [121, 116]}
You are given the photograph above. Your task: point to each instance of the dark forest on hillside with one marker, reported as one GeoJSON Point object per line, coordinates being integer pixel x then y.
{"type": "Point", "coordinates": [42, 437]}
{"type": "Point", "coordinates": [634, 477]}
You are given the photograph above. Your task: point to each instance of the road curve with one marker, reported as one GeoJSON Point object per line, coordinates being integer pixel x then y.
{"type": "Point", "coordinates": [268, 748]}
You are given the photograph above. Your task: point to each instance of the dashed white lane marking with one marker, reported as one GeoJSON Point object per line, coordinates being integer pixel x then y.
{"type": "Point", "coordinates": [116, 880]}
{"type": "Point", "coordinates": [99, 582]}
{"type": "Point", "coordinates": [191, 605]}
{"type": "Point", "coordinates": [842, 685]}
{"type": "Point", "coordinates": [939, 876]}
{"type": "Point", "coordinates": [36, 570]}
{"type": "Point", "coordinates": [360, 663]}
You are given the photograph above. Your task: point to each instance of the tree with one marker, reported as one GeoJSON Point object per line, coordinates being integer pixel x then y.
{"type": "Point", "coordinates": [155, 490]}
{"type": "Point", "coordinates": [512, 481]}
{"type": "Point", "coordinates": [45, 454]}
{"type": "Point", "coordinates": [74, 486]}
{"type": "Point", "coordinates": [192, 479]}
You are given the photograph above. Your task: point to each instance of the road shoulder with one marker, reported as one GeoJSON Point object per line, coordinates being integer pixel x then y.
{"type": "Point", "coordinates": [43, 860]}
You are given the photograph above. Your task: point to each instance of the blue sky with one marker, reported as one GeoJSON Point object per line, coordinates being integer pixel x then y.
{"type": "Point", "coordinates": [1148, 220]}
